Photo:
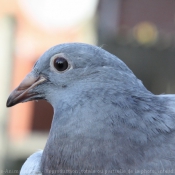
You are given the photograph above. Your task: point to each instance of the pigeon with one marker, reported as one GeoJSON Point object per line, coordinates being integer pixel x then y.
{"type": "Point", "coordinates": [105, 121]}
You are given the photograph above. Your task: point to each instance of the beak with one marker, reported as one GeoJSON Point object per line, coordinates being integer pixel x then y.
{"type": "Point", "coordinates": [24, 92]}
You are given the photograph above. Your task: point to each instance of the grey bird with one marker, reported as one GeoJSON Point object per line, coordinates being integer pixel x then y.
{"type": "Point", "coordinates": [105, 121]}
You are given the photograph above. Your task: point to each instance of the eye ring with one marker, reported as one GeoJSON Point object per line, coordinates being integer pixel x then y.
{"type": "Point", "coordinates": [63, 58]}
{"type": "Point", "coordinates": [60, 64]}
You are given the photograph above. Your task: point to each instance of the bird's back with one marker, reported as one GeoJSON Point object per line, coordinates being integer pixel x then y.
{"type": "Point", "coordinates": [32, 165]}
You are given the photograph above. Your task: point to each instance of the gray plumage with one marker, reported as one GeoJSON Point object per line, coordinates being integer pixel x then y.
{"type": "Point", "coordinates": [105, 121]}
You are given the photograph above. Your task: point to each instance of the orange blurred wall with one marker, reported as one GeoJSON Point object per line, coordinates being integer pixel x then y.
{"type": "Point", "coordinates": [30, 42]}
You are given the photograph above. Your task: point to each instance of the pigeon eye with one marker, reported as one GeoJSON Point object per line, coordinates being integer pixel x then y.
{"type": "Point", "coordinates": [60, 64]}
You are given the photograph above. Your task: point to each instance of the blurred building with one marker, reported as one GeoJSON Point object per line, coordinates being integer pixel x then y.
{"type": "Point", "coordinates": [27, 29]}
{"type": "Point", "coordinates": [142, 34]}
{"type": "Point", "coordinates": [139, 32]}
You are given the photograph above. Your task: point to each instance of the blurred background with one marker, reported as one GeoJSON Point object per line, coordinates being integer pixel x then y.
{"type": "Point", "coordinates": [141, 33]}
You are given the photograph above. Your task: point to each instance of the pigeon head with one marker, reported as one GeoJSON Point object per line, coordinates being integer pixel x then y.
{"type": "Point", "coordinates": [72, 67]}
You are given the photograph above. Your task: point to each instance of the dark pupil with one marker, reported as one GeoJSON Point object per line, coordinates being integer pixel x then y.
{"type": "Point", "coordinates": [60, 64]}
